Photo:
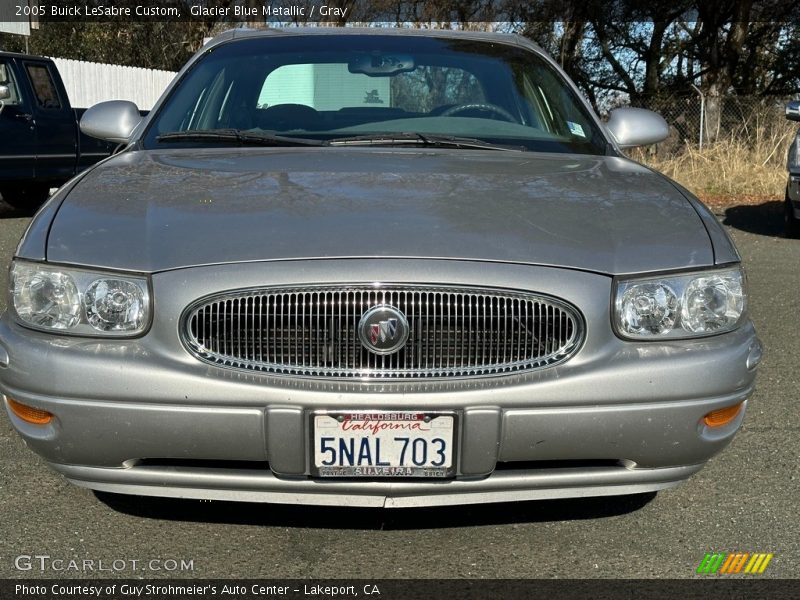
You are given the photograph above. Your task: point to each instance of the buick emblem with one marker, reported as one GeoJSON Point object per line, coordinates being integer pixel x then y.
{"type": "Point", "coordinates": [383, 329]}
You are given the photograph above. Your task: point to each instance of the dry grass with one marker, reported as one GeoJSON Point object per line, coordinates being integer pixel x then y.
{"type": "Point", "coordinates": [750, 163]}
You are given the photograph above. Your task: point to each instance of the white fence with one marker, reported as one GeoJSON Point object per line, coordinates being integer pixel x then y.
{"type": "Point", "coordinates": [9, 25]}
{"type": "Point", "coordinates": [88, 83]}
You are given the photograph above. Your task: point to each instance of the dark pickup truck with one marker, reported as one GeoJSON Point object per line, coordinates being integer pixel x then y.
{"type": "Point", "coordinates": [40, 143]}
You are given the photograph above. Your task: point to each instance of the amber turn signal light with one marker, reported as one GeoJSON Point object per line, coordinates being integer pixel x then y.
{"type": "Point", "coordinates": [723, 416]}
{"type": "Point", "coordinates": [29, 414]}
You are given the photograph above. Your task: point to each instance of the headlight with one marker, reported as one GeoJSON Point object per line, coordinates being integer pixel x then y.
{"type": "Point", "coordinates": [79, 301]}
{"type": "Point", "coordinates": [115, 305]}
{"type": "Point", "coordinates": [680, 306]}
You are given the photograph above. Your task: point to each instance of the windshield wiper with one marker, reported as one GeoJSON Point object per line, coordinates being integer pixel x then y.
{"type": "Point", "coordinates": [414, 138]}
{"type": "Point", "coordinates": [243, 137]}
{"type": "Point", "coordinates": [238, 136]}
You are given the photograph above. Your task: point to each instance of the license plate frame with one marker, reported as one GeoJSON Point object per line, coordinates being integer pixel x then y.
{"type": "Point", "coordinates": [409, 471]}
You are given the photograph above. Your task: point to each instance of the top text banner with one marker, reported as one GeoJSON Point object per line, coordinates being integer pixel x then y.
{"type": "Point", "coordinates": [247, 11]}
{"type": "Point", "coordinates": [441, 13]}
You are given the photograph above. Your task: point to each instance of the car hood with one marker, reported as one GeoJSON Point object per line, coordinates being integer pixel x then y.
{"type": "Point", "coordinates": [157, 210]}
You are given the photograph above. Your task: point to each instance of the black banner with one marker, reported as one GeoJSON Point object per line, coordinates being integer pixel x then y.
{"type": "Point", "coordinates": [440, 12]}
{"type": "Point", "coordinates": [564, 589]}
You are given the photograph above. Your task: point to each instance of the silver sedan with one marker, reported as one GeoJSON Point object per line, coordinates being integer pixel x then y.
{"type": "Point", "coordinates": [375, 268]}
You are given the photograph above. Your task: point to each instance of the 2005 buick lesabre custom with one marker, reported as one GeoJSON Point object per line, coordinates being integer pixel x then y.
{"type": "Point", "coordinates": [376, 268]}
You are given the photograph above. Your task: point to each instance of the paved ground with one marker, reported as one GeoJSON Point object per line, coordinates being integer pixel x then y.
{"type": "Point", "coordinates": [746, 499]}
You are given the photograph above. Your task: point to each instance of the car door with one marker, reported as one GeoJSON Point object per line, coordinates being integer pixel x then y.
{"type": "Point", "coordinates": [17, 128]}
{"type": "Point", "coordinates": [55, 124]}
{"type": "Point", "coordinates": [793, 165]}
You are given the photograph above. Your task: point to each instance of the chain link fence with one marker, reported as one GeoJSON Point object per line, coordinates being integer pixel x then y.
{"type": "Point", "coordinates": [701, 120]}
{"type": "Point", "coordinates": [731, 145]}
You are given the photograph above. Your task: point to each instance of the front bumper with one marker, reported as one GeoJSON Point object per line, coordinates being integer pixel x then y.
{"type": "Point", "coordinates": [245, 485]}
{"type": "Point", "coordinates": [142, 416]}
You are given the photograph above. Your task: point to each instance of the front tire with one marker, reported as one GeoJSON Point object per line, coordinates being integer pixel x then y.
{"type": "Point", "coordinates": [25, 196]}
{"type": "Point", "coordinates": [790, 222]}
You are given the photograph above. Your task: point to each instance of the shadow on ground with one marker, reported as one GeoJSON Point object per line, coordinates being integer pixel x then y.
{"type": "Point", "coordinates": [9, 212]}
{"type": "Point", "coordinates": [324, 517]}
{"type": "Point", "coordinates": [761, 219]}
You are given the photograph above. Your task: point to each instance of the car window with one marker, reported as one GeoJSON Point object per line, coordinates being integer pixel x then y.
{"type": "Point", "coordinates": [327, 86]}
{"type": "Point", "coordinates": [548, 106]}
{"type": "Point", "coordinates": [431, 87]}
{"type": "Point", "coordinates": [7, 79]}
{"type": "Point", "coordinates": [44, 88]}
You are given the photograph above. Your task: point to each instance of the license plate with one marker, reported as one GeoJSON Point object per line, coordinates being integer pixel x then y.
{"type": "Point", "coordinates": [383, 444]}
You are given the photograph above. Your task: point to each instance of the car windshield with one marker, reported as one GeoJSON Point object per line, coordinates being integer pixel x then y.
{"type": "Point", "coordinates": [376, 89]}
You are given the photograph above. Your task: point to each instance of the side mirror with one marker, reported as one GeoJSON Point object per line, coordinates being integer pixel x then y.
{"type": "Point", "coordinates": [633, 127]}
{"type": "Point", "coordinates": [793, 111]}
{"type": "Point", "coordinates": [5, 94]}
{"type": "Point", "coordinates": [112, 121]}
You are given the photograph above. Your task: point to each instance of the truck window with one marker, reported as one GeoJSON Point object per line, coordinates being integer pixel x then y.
{"type": "Point", "coordinates": [43, 86]}
{"type": "Point", "coordinates": [7, 79]}
{"type": "Point", "coordinates": [330, 86]}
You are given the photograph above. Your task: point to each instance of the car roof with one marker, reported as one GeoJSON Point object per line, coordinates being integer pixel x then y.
{"type": "Point", "coordinates": [487, 36]}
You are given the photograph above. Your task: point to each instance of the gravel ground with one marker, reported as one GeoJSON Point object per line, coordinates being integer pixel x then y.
{"type": "Point", "coordinates": [746, 499]}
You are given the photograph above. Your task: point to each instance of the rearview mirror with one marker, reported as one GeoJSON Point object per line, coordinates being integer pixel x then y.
{"type": "Point", "coordinates": [381, 65]}
{"type": "Point", "coordinates": [793, 111]}
{"type": "Point", "coordinates": [112, 121]}
{"type": "Point", "coordinates": [633, 127]}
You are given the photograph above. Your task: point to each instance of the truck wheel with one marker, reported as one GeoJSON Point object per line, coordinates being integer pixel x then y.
{"type": "Point", "coordinates": [791, 223]}
{"type": "Point", "coordinates": [25, 196]}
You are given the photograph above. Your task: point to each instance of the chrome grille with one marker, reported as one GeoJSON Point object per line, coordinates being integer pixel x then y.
{"type": "Point", "coordinates": [313, 331]}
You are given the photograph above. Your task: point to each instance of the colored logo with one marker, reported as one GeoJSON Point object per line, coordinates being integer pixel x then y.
{"type": "Point", "coordinates": [383, 329]}
{"type": "Point", "coordinates": [721, 563]}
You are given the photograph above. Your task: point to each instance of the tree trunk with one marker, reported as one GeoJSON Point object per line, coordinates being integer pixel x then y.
{"type": "Point", "coordinates": [720, 53]}
{"type": "Point", "coordinates": [255, 8]}
{"type": "Point", "coordinates": [713, 115]}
